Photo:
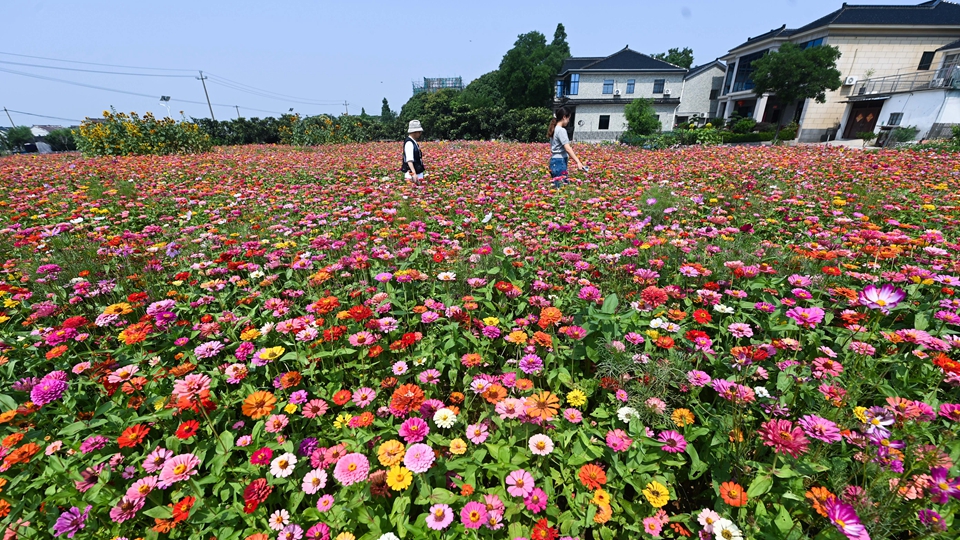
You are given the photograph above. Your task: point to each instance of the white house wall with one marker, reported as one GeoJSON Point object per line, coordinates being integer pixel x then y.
{"type": "Point", "coordinates": [591, 85]}
{"type": "Point", "coordinates": [587, 123]}
{"type": "Point", "coordinates": [696, 93]}
{"type": "Point", "coordinates": [923, 109]}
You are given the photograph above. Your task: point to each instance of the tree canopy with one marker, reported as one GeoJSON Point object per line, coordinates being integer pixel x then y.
{"type": "Point", "coordinates": [484, 91]}
{"type": "Point", "coordinates": [677, 57]}
{"type": "Point", "coordinates": [528, 70]}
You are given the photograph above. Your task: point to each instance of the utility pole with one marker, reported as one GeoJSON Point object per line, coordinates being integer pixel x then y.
{"type": "Point", "coordinates": [238, 111]}
{"type": "Point", "coordinates": [8, 117]}
{"type": "Point", "coordinates": [203, 80]}
{"type": "Point", "coordinates": [346, 107]}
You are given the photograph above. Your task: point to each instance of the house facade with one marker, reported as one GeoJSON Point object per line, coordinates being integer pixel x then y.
{"type": "Point", "coordinates": [874, 41]}
{"type": "Point", "coordinates": [597, 89]}
{"type": "Point", "coordinates": [701, 93]}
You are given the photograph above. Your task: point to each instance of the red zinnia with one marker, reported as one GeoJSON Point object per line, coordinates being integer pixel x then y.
{"type": "Point", "coordinates": [406, 398]}
{"type": "Point", "coordinates": [132, 436]}
{"type": "Point", "coordinates": [188, 429]}
{"type": "Point", "coordinates": [181, 510]}
{"type": "Point", "coordinates": [702, 316]}
{"type": "Point", "coordinates": [664, 342]}
{"type": "Point", "coordinates": [359, 313]}
{"type": "Point", "coordinates": [543, 531]}
{"type": "Point", "coordinates": [342, 397]}
{"type": "Point", "coordinates": [255, 493]}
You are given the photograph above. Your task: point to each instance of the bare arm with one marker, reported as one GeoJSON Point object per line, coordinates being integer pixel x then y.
{"type": "Point", "coordinates": [573, 154]}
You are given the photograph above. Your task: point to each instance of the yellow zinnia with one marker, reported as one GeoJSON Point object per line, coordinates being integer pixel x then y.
{"type": "Point", "coordinates": [390, 453]}
{"type": "Point", "coordinates": [458, 447]}
{"type": "Point", "coordinates": [657, 494]}
{"type": "Point", "coordinates": [600, 497]}
{"type": "Point", "coordinates": [271, 353]}
{"type": "Point", "coordinates": [576, 398]}
{"type": "Point", "coordinates": [682, 417]}
{"type": "Point", "coordinates": [399, 478]}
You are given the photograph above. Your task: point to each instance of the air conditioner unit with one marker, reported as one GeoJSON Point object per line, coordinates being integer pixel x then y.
{"type": "Point", "coordinates": [667, 92]}
{"type": "Point", "coordinates": [616, 92]}
{"type": "Point", "coordinates": [850, 81]}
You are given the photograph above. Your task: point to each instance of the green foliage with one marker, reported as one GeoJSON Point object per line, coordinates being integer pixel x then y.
{"type": "Point", "coordinates": [904, 134]}
{"type": "Point", "coordinates": [484, 91]}
{"type": "Point", "coordinates": [527, 125]}
{"type": "Point", "coordinates": [528, 70]}
{"type": "Point", "coordinates": [61, 140]}
{"type": "Point", "coordinates": [866, 135]}
{"type": "Point", "coordinates": [677, 57]}
{"type": "Point", "coordinates": [793, 73]}
{"type": "Point", "coordinates": [327, 129]}
{"type": "Point", "coordinates": [744, 125]}
{"type": "Point", "coordinates": [120, 134]}
{"type": "Point", "coordinates": [641, 118]}
{"type": "Point", "coordinates": [18, 136]}
{"type": "Point", "coordinates": [956, 133]}
{"type": "Point", "coordinates": [242, 130]}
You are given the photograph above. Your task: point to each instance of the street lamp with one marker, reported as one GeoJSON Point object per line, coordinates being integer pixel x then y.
{"type": "Point", "coordinates": [164, 100]}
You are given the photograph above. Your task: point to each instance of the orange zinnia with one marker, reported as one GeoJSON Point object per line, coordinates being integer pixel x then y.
{"type": "Point", "coordinates": [548, 317]}
{"type": "Point", "coordinates": [818, 498]}
{"type": "Point", "coordinates": [259, 404]}
{"type": "Point", "coordinates": [406, 398]}
{"type": "Point", "coordinates": [543, 405]}
{"type": "Point", "coordinates": [592, 477]}
{"type": "Point", "coordinates": [495, 394]}
{"type": "Point", "coordinates": [733, 494]}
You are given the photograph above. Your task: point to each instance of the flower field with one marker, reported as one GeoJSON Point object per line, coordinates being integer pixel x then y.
{"type": "Point", "coordinates": [262, 343]}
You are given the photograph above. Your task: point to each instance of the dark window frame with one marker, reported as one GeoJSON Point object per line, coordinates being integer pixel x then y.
{"type": "Point", "coordinates": [658, 85]}
{"type": "Point", "coordinates": [631, 85]}
{"type": "Point", "coordinates": [926, 60]}
{"type": "Point", "coordinates": [608, 86]}
{"type": "Point", "coordinates": [604, 122]}
{"type": "Point", "coordinates": [898, 116]}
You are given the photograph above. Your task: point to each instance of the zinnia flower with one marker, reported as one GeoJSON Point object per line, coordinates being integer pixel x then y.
{"type": "Point", "coordinates": [520, 483]}
{"type": "Point", "coordinates": [178, 468]}
{"type": "Point", "coordinates": [845, 518]}
{"type": "Point", "coordinates": [541, 445]}
{"type": "Point", "coordinates": [351, 468]}
{"type": "Point", "coordinates": [258, 404]}
{"type": "Point", "coordinates": [419, 458]}
{"type": "Point", "coordinates": [71, 521]}
{"type": "Point", "coordinates": [656, 493]}
{"type": "Point", "coordinates": [885, 298]}
{"type": "Point", "coordinates": [784, 437]}
{"type": "Point", "coordinates": [733, 494]}
{"type": "Point", "coordinates": [282, 466]}
{"type": "Point", "coordinates": [673, 442]}
{"type": "Point", "coordinates": [439, 517]}
{"type": "Point", "coordinates": [473, 515]}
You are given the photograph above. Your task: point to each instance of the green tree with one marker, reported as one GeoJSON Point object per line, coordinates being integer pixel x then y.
{"type": "Point", "coordinates": [641, 118]}
{"type": "Point", "coordinates": [677, 57]}
{"type": "Point", "coordinates": [484, 91]}
{"type": "Point", "coordinates": [19, 136]}
{"type": "Point", "coordinates": [61, 140]}
{"type": "Point", "coordinates": [387, 115]}
{"type": "Point", "coordinates": [528, 70]}
{"type": "Point", "coordinates": [793, 74]}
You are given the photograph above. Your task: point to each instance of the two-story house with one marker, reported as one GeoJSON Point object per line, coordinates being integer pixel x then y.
{"type": "Point", "coordinates": [596, 90]}
{"type": "Point", "coordinates": [701, 93]}
{"type": "Point", "coordinates": [874, 41]}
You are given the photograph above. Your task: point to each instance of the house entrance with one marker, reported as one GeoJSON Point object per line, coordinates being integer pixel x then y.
{"type": "Point", "coordinates": [863, 117]}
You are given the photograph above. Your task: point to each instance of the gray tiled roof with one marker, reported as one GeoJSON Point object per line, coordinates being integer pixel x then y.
{"type": "Point", "coordinates": [623, 60]}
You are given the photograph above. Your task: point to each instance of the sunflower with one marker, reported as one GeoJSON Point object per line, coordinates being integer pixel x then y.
{"type": "Point", "coordinates": [258, 404]}
{"type": "Point", "coordinates": [543, 405]}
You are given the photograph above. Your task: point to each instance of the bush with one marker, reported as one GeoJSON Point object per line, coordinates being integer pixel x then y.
{"type": "Point", "coordinates": [120, 134]}
{"type": "Point", "coordinates": [641, 118]}
{"type": "Point", "coordinates": [956, 133]}
{"type": "Point", "coordinates": [744, 125]}
{"type": "Point", "coordinates": [765, 126]}
{"type": "Point", "coordinates": [61, 140]}
{"type": "Point", "coordinates": [904, 134]}
{"type": "Point", "coordinates": [17, 137]}
{"type": "Point", "coordinates": [527, 125]}
{"type": "Point", "coordinates": [242, 130]}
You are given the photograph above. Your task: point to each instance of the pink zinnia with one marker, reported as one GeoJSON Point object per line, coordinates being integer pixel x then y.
{"type": "Point", "coordinates": [142, 487]}
{"type": "Point", "coordinates": [439, 517]}
{"type": "Point", "coordinates": [178, 468]}
{"type": "Point", "coordinates": [477, 433]}
{"type": "Point", "coordinates": [364, 396]}
{"type": "Point", "coordinates": [325, 503]}
{"type": "Point", "coordinates": [261, 456]}
{"type": "Point", "coordinates": [520, 483]}
{"type": "Point", "coordinates": [784, 437]}
{"type": "Point", "coordinates": [820, 428]}
{"type": "Point", "coordinates": [126, 509]}
{"type": "Point", "coordinates": [846, 519]}
{"type": "Point", "coordinates": [473, 515]}
{"type": "Point", "coordinates": [155, 460]}
{"type": "Point", "coordinates": [536, 501]}
{"type": "Point", "coordinates": [618, 441]}
{"type": "Point", "coordinates": [806, 317]}
{"type": "Point", "coordinates": [418, 458]}
{"type": "Point", "coordinates": [190, 386]}
{"type": "Point", "coordinates": [883, 298]}
{"type": "Point", "coordinates": [362, 339]}
{"type": "Point", "coordinates": [673, 442]}
{"type": "Point", "coordinates": [414, 430]}
{"type": "Point", "coordinates": [315, 408]}
{"type": "Point", "coordinates": [351, 468]}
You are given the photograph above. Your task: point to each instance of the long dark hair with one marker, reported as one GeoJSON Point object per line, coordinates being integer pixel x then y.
{"type": "Point", "coordinates": [558, 115]}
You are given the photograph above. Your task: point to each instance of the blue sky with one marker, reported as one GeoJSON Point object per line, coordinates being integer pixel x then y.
{"type": "Point", "coordinates": [324, 53]}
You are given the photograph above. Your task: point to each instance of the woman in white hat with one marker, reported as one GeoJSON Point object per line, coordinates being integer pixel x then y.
{"type": "Point", "coordinates": [412, 158]}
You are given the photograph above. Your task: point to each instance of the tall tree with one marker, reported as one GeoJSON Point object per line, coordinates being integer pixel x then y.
{"type": "Point", "coordinates": [793, 74]}
{"type": "Point", "coordinates": [484, 91]}
{"type": "Point", "coordinates": [529, 69]}
{"type": "Point", "coordinates": [677, 57]}
{"type": "Point", "coordinates": [386, 114]}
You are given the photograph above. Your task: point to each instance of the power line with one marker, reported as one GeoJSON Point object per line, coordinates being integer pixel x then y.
{"type": "Point", "coordinates": [44, 116]}
{"type": "Point", "coordinates": [267, 93]}
{"type": "Point", "coordinates": [92, 70]}
{"type": "Point", "coordinates": [90, 63]}
{"type": "Point", "coordinates": [95, 87]}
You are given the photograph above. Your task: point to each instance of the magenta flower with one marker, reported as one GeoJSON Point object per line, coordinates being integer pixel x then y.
{"type": "Point", "coordinates": [536, 501]}
{"type": "Point", "coordinates": [418, 458]}
{"type": "Point", "coordinates": [845, 518]}
{"type": "Point", "coordinates": [47, 390]}
{"type": "Point", "coordinates": [71, 521]}
{"type": "Point", "coordinates": [673, 442]}
{"type": "Point", "coordinates": [932, 520]}
{"type": "Point", "coordinates": [806, 317]}
{"type": "Point", "coordinates": [520, 483]}
{"type": "Point", "coordinates": [942, 488]}
{"type": "Point", "coordinates": [178, 468]}
{"type": "Point", "coordinates": [126, 509]}
{"type": "Point", "coordinates": [414, 430]}
{"type": "Point", "coordinates": [950, 411]}
{"type": "Point", "coordinates": [618, 440]}
{"type": "Point", "coordinates": [473, 515]}
{"type": "Point", "coordinates": [351, 468]}
{"type": "Point", "coordinates": [784, 437]}
{"type": "Point", "coordinates": [885, 298]}
{"type": "Point", "coordinates": [820, 428]}
{"type": "Point", "coordinates": [320, 531]}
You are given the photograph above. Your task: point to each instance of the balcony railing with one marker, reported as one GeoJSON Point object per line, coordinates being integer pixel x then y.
{"type": "Point", "coordinates": [909, 82]}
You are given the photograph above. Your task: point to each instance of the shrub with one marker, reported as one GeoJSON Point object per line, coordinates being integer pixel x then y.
{"type": "Point", "coordinates": [744, 125]}
{"type": "Point", "coordinates": [904, 134]}
{"type": "Point", "coordinates": [641, 118]}
{"type": "Point", "coordinates": [17, 137]}
{"type": "Point", "coordinates": [120, 134]}
{"type": "Point", "coordinates": [61, 140]}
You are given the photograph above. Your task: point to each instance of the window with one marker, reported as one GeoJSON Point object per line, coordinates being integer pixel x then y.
{"type": "Point", "coordinates": [574, 84]}
{"type": "Point", "coordinates": [604, 121]}
{"type": "Point", "coordinates": [811, 43]}
{"type": "Point", "coordinates": [895, 119]}
{"type": "Point", "coordinates": [658, 86]}
{"type": "Point", "coordinates": [926, 60]}
{"type": "Point", "coordinates": [630, 85]}
{"type": "Point", "coordinates": [714, 94]}
{"type": "Point", "coordinates": [608, 86]}
{"type": "Point", "coordinates": [728, 80]}
{"type": "Point", "coordinates": [950, 63]}
{"type": "Point", "coordinates": [559, 88]}
{"type": "Point", "coordinates": [744, 78]}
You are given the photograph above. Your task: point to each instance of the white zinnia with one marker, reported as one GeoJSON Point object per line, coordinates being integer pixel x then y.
{"type": "Point", "coordinates": [626, 413]}
{"type": "Point", "coordinates": [541, 445]}
{"type": "Point", "coordinates": [724, 529]}
{"type": "Point", "coordinates": [314, 481]}
{"type": "Point", "coordinates": [282, 465]}
{"type": "Point", "coordinates": [444, 418]}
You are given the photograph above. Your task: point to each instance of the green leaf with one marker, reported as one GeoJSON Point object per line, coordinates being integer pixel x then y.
{"type": "Point", "coordinates": [610, 304]}
{"type": "Point", "coordinates": [759, 486]}
{"type": "Point", "coordinates": [8, 402]}
{"type": "Point", "coordinates": [920, 321]}
{"type": "Point", "coordinates": [159, 512]}
{"type": "Point", "coordinates": [72, 429]}
{"type": "Point", "coordinates": [783, 521]}
{"type": "Point", "coordinates": [697, 467]}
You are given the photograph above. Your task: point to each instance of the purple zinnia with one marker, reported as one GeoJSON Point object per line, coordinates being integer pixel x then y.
{"type": "Point", "coordinates": [92, 443]}
{"type": "Point", "coordinates": [941, 487]}
{"type": "Point", "coordinates": [307, 446]}
{"type": "Point", "coordinates": [47, 390]}
{"type": "Point", "coordinates": [932, 520]}
{"type": "Point", "coordinates": [820, 428]}
{"type": "Point", "coordinates": [806, 317]}
{"type": "Point", "coordinates": [71, 521]}
{"type": "Point", "coordinates": [208, 349]}
{"type": "Point", "coordinates": [531, 363]}
{"type": "Point", "coordinates": [673, 442]}
{"type": "Point", "coordinates": [845, 518]}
